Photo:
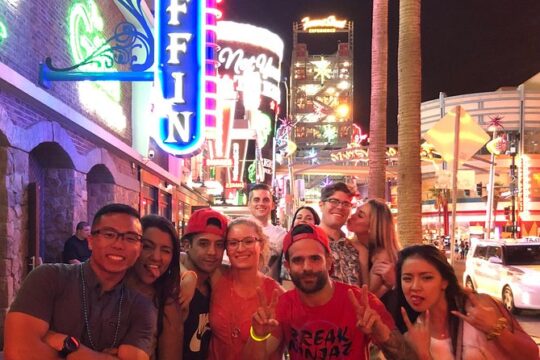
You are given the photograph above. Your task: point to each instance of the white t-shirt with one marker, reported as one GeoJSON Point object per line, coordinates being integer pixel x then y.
{"type": "Point", "coordinates": [275, 235]}
{"type": "Point", "coordinates": [441, 349]}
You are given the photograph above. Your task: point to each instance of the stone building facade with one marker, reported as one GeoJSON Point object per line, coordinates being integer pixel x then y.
{"type": "Point", "coordinates": [60, 160]}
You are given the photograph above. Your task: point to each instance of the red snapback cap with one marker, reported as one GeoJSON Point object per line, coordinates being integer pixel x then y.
{"type": "Point", "coordinates": [306, 231]}
{"type": "Point", "coordinates": [207, 221]}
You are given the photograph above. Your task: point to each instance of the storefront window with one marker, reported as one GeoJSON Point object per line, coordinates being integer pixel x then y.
{"type": "Point", "coordinates": [150, 200]}
{"type": "Point", "coordinates": [165, 204]}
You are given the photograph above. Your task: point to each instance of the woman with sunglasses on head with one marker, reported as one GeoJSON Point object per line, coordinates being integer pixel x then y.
{"type": "Point", "coordinates": [156, 274]}
{"type": "Point", "coordinates": [235, 290]}
{"type": "Point", "coordinates": [451, 323]}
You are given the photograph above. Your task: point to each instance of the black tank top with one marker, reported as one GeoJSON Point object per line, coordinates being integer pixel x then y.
{"type": "Point", "coordinates": [197, 328]}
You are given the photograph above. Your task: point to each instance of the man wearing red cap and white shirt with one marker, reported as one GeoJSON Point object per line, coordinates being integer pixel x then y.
{"type": "Point", "coordinates": [204, 241]}
{"type": "Point", "coordinates": [316, 320]}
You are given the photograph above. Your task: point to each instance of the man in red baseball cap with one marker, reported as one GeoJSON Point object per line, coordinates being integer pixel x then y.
{"type": "Point", "coordinates": [204, 242]}
{"type": "Point", "coordinates": [321, 318]}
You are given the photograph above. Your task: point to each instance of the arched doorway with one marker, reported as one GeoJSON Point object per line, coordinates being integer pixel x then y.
{"type": "Point", "coordinates": [60, 200]}
{"type": "Point", "coordinates": [101, 189]}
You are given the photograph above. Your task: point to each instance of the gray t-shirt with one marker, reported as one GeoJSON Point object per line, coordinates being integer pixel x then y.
{"type": "Point", "coordinates": [53, 293]}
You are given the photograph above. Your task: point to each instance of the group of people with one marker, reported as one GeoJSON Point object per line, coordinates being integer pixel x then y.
{"type": "Point", "coordinates": [139, 297]}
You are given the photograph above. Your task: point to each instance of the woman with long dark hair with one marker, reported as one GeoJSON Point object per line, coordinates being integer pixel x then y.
{"type": "Point", "coordinates": [156, 274]}
{"type": "Point", "coordinates": [305, 215]}
{"type": "Point", "coordinates": [452, 323]}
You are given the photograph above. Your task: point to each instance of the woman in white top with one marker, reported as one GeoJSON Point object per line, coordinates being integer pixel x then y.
{"type": "Point", "coordinates": [453, 323]}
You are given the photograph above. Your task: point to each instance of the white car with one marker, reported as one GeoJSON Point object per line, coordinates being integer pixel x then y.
{"type": "Point", "coordinates": [508, 270]}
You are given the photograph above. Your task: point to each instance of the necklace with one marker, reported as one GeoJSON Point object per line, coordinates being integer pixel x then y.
{"type": "Point", "coordinates": [235, 329]}
{"type": "Point", "coordinates": [85, 313]}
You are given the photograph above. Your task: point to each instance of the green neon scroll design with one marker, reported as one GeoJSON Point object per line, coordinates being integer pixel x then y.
{"type": "Point", "coordinates": [3, 32]}
{"type": "Point", "coordinates": [90, 47]}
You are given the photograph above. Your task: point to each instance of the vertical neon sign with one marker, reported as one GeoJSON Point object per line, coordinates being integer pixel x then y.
{"type": "Point", "coordinates": [180, 76]}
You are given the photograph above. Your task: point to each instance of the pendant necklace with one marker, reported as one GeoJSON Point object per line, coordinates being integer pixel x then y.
{"type": "Point", "coordinates": [235, 333]}
{"type": "Point", "coordinates": [85, 313]}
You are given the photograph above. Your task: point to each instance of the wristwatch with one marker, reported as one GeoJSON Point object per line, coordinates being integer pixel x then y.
{"type": "Point", "coordinates": [71, 344]}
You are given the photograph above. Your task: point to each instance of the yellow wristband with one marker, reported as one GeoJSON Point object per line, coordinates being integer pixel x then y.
{"type": "Point", "coordinates": [256, 338]}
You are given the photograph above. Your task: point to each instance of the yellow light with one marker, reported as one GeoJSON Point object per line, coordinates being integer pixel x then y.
{"type": "Point", "coordinates": [330, 22]}
{"type": "Point", "coordinates": [343, 110]}
{"type": "Point", "coordinates": [330, 90]}
{"type": "Point", "coordinates": [343, 85]}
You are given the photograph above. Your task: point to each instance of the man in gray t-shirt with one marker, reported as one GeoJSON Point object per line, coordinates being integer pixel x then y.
{"type": "Point", "coordinates": [85, 309]}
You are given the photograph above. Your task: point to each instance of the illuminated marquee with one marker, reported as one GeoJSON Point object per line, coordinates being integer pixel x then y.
{"type": "Point", "coordinates": [181, 114]}
{"type": "Point", "coordinates": [250, 75]}
{"type": "Point", "coordinates": [330, 24]}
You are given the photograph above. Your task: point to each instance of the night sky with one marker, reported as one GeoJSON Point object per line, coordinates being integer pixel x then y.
{"type": "Point", "coordinates": [468, 46]}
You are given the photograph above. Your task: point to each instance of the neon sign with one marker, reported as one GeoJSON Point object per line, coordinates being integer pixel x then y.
{"type": "Point", "coordinates": [3, 32]}
{"type": "Point", "coordinates": [322, 69]}
{"type": "Point", "coordinates": [180, 60]}
{"type": "Point", "coordinates": [330, 24]}
{"type": "Point", "coordinates": [85, 36]}
{"type": "Point", "coordinates": [250, 75]}
{"type": "Point", "coordinates": [184, 52]}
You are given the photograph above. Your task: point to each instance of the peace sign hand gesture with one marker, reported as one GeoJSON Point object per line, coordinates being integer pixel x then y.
{"type": "Point", "coordinates": [368, 320]}
{"type": "Point", "coordinates": [264, 320]}
{"type": "Point", "coordinates": [481, 316]}
{"type": "Point", "coordinates": [418, 335]}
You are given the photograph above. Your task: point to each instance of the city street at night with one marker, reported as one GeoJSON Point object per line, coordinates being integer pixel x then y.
{"type": "Point", "coordinates": [269, 180]}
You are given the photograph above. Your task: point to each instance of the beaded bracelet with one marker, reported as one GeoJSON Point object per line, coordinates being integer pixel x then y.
{"type": "Point", "coordinates": [257, 338]}
{"type": "Point", "coordinates": [497, 330]}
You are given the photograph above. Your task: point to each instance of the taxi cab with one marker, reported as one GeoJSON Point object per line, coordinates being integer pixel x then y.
{"type": "Point", "coordinates": [508, 270]}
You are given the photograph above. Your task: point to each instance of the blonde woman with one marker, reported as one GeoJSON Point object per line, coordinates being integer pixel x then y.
{"type": "Point", "coordinates": [377, 244]}
{"type": "Point", "coordinates": [234, 290]}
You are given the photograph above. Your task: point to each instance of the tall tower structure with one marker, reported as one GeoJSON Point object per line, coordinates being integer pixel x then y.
{"type": "Point", "coordinates": [321, 83]}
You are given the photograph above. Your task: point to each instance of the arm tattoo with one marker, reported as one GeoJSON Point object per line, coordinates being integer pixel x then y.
{"type": "Point", "coordinates": [397, 348]}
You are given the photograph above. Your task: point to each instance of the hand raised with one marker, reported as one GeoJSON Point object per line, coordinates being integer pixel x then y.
{"type": "Point", "coordinates": [386, 271]}
{"type": "Point", "coordinates": [264, 319]}
{"type": "Point", "coordinates": [368, 320]}
{"type": "Point", "coordinates": [480, 315]}
{"type": "Point", "coordinates": [418, 335]}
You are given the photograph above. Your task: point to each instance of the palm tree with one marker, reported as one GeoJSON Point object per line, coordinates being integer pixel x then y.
{"type": "Point", "coordinates": [442, 197]}
{"type": "Point", "coordinates": [409, 97]}
{"type": "Point", "coordinates": [377, 118]}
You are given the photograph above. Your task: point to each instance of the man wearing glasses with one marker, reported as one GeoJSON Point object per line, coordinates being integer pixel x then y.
{"type": "Point", "coordinates": [336, 205]}
{"type": "Point", "coordinates": [85, 310]}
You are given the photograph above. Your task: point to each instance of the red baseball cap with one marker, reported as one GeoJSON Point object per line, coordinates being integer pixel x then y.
{"type": "Point", "coordinates": [207, 221]}
{"type": "Point", "coordinates": [306, 231]}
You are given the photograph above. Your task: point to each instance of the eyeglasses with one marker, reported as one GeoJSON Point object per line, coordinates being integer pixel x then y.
{"type": "Point", "coordinates": [112, 235]}
{"type": "Point", "coordinates": [248, 243]}
{"type": "Point", "coordinates": [336, 203]}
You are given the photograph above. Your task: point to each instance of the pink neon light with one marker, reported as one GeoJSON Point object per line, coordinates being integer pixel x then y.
{"type": "Point", "coordinates": [212, 14]}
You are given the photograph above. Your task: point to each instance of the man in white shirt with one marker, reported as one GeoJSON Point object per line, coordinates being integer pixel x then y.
{"type": "Point", "coordinates": [260, 205]}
